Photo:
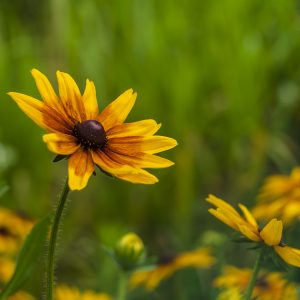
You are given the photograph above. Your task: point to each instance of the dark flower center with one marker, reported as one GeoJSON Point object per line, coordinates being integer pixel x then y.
{"type": "Point", "coordinates": [4, 231]}
{"type": "Point", "coordinates": [90, 134]}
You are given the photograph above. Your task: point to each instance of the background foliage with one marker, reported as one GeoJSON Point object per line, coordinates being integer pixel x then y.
{"type": "Point", "coordinates": [222, 77]}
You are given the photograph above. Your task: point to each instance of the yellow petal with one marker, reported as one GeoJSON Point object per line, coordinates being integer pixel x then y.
{"type": "Point", "coordinates": [272, 233]}
{"type": "Point", "coordinates": [248, 216]}
{"type": "Point", "coordinates": [70, 96]}
{"type": "Point", "coordinates": [223, 218]}
{"type": "Point", "coordinates": [140, 160]}
{"type": "Point", "coordinates": [117, 111]}
{"type": "Point", "coordinates": [45, 88]}
{"type": "Point", "coordinates": [61, 143]}
{"type": "Point", "coordinates": [42, 114]}
{"type": "Point", "coordinates": [289, 255]}
{"type": "Point", "coordinates": [81, 167]}
{"type": "Point", "coordinates": [140, 128]}
{"type": "Point", "coordinates": [137, 144]}
{"type": "Point", "coordinates": [217, 202]}
{"type": "Point", "coordinates": [248, 232]}
{"type": "Point", "coordinates": [90, 101]}
{"type": "Point", "coordinates": [125, 172]}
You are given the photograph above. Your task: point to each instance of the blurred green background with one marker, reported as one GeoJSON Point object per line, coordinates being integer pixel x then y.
{"type": "Point", "coordinates": [223, 78]}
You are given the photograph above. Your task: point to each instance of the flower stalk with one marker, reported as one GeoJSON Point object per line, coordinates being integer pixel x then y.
{"type": "Point", "coordinates": [53, 241]}
{"type": "Point", "coordinates": [255, 271]}
{"type": "Point", "coordinates": [122, 288]}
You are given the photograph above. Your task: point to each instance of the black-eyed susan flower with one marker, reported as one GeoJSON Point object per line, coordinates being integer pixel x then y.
{"type": "Point", "coordinates": [150, 279]}
{"type": "Point", "coordinates": [21, 295]}
{"type": "Point", "coordinates": [270, 235]}
{"type": "Point", "coordinates": [269, 286]}
{"type": "Point", "coordinates": [64, 292]}
{"type": "Point", "coordinates": [88, 138]}
{"type": "Point", "coordinates": [280, 197]}
{"type": "Point", "coordinates": [13, 230]}
{"type": "Point", "coordinates": [7, 267]}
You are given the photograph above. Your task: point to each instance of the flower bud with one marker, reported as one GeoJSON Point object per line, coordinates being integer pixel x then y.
{"type": "Point", "coordinates": [129, 251]}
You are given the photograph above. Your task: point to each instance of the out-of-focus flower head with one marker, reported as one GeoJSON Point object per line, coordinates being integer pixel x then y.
{"type": "Point", "coordinates": [64, 292]}
{"type": "Point", "coordinates": [129, 251]}
{"type": "Point", "coordinates": [21, 295]}
{"type": "Point", "coordinates": [269, 286]}
{"type": "Point", "coordinates": [270, 235]}
{"type": "Point", "coordinates": [151, 278]}
{"type": "Point", "coordinates": [280, 197]}
{"type": "Point", "coordinates": [13, 230]}
{"type": "Point", "coordinates": [7, 267]}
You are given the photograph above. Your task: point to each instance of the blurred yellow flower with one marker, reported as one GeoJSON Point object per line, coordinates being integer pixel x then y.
{"type": "Point", "coordinates": [64, 292]}
{"type": "Point", "coordinates": [7, 267]}
{"type": "Point", "coordinates": [270, 235]}
{"type": "Point", "coordinates": [13, 230]}
{"type": "Point", "coordinates": [21, 296]}
{"type": "Point", "coordinates": [77, 130]}
{"type": "Point", "coordinates": [230, 294]}
{"type": "Point", "coordinates": [150, 279]}
{"type": "Point", "coordinates": [280, 197]}
{"type": "Point", "coordinates": [269, 286]}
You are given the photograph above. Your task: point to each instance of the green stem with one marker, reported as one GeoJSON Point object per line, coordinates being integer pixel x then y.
{"type": "Point", "coordinates": [122, 289]}
{"type": "Point", "coordinates": [253, 279]}
{"type": "Point", "coordinates": [53, 241]}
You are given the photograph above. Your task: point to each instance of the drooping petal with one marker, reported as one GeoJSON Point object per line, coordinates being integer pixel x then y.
{"type": "Point", "coordinates": [217, 202]}
{"type": "Point", "coordinates": [70, 96]}
{"type": "Point", "coordinates": [125, 172]}
{"type": "Point", "coordinates": [289, 255]}
{"type": "Point", "coordinates": [272, 232]}
{"type": "Point", "coordinates": [250, 234]}
{"type": "Point", "coordinates": [248, 216]}
{"type": "Point", "coordinates": [223, 217]}
{"type": "Point", "coordinates": [42, 114]}
{"type": "Point", "coordinates": [140, 160]}
{"type": "Point", "coordinates": [81, 167]}
{"type": "Point", "coordinates": [117, 111]}
{"type": "Point", "coordinates": [137, 144]}
{"type": "Point", "coordinates": [90, 101]}
{"type": "Point", "coordinates": [140, 128]}
{"type": "Point", "coordinates": [62, 144]}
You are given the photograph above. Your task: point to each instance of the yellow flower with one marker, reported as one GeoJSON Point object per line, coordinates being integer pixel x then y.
{"type": "Point", "coordinates": [269, 286]}
{"type": "Point", "coordinates": [230, 294]}
{"type": "Point", "coordinates": [21, 296]}
{"type": "Point", "coordinates": [270, 235]}
{"type": "Point", "coordinates": [150, 279]}
{"type": "Point", "coordinates": [13, 230]}
{"type": "Point", "coordinates": [280, 197]}
{"type": "Point", "coordinates": [7, 267]}
{"type": "Point", "coordinates": [77, 130]}
{"type": "Point", "coordinates": [64, 292]}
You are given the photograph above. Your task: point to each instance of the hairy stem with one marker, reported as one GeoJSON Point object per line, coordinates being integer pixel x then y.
{"type": "Point", "coordinates": [53, 241]}
{"type": "Point", "coordinates": [253, 279]}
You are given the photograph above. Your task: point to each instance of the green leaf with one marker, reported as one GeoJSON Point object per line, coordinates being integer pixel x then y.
{"type": "Point", "coordinates": [59, 157]}
{"type": "Point", "coordinates": [28, 257]}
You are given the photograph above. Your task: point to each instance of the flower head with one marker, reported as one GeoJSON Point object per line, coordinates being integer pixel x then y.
{"type": "Point", "coordinates": [270, 235]}
{"type": "Point", "coordinates": [78, 131]}
{"type": "Point", "coordinates": [129, 251]}
{"type": "Point", "coordinates": [268, 286]}
{"type": "Point", "coordinates": [280, 197]}
{"type": "Point", "coordinates": [150, 279]}
{"type": "Point", "coordinates": [13, 230]}
{"type": "Point", "coordinates": [64, 292]}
